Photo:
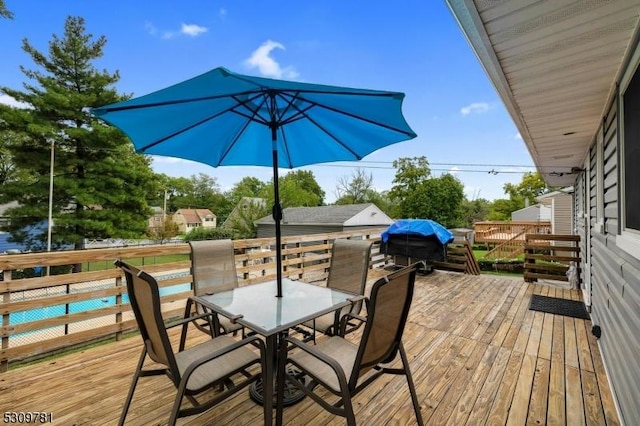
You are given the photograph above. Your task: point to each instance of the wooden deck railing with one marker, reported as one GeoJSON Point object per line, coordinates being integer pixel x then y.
{"type": "Point", "coordinates": [496, 232]}
{"type": "Point", "coordinates": [550, 256]}
{"type": "Point", "coordinates": [44, 314]}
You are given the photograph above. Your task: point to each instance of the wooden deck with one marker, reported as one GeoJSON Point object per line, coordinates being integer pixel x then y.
{"type": "Point", "coordinates": [478, 355]}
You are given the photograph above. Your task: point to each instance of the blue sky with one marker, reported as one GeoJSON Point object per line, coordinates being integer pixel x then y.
{"type": "Point", "coordinates": [411, 46]}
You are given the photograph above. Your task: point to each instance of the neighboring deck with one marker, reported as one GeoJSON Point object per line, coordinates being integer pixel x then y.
{"type": "Point", "coordinates": [478, 356]}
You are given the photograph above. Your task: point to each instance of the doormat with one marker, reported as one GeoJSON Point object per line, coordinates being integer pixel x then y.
{"type": "Point", "coordinates": [554, 305]}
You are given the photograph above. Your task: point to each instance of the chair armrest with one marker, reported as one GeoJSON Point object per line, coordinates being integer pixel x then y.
{"type": "Point", "coordinates": [313, 351]}
{"type": "Point", "coordinates": [254, 340]}
{"type": "Point", "coordinates": [187, 320]}
{"type": "Point", "coordinates": [345, 320]}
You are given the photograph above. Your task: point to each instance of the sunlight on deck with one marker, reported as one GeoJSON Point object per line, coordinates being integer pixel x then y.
{"type": "Point", "coordinates": [477, 353]}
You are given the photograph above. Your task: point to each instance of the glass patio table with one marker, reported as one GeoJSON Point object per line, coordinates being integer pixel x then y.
{"type": "Point", "coordinates": [257, 308]}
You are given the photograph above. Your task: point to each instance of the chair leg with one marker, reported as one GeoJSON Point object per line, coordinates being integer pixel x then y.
{"type": "Point", "coordinates": [412, 389]}
{"type": "Point", "coordinates": [185, 326]}
{"type": "Point", "coordinates": [180, 391]}
{"type": "Point", "coordinates": [132, 388]}
{"type": "Point", "coordinates": [348, 410]}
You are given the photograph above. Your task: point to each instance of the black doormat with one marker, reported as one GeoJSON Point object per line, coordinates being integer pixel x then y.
{"type": "Point", "coordinates": [554, 305]}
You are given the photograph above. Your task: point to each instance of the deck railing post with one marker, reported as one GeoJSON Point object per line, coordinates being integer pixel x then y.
{"type": "Point", "coordinates": [119, 303]}
{"type": "Point", "coordinates": [6, 298]}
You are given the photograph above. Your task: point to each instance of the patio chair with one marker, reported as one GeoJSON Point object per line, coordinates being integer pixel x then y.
{"type": "Point", "coordinates": [345, 368]}
{"type": "Point", "coordinates": [348, 272]}
{"type": "Point", "coordinates": [213, 267]}
{"type": "Point", "coordinates": [192, 371]}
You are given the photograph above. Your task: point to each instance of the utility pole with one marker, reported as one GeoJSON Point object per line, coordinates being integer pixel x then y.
{"type": "Point", "coordinates": [50, 218]}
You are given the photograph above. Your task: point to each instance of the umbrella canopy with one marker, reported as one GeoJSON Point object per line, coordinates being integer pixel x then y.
{"type": "Point", "coordinates": [223, 118]}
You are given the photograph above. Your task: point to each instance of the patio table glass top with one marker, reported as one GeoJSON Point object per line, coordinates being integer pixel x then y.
{"type": "Point", "coordinates": [257, 307]}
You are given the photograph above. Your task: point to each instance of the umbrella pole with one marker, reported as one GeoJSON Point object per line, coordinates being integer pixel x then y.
{"type": "Point", "coordinates": [277, 213]}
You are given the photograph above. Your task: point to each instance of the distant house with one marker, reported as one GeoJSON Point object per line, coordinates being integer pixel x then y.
{"type": "Point", "coordinates": [188, 219]}
{"type": "Point", "coordinates": [155, 221]}
{"type": "Point", "coordinates": [560, 205]}
{"type": "Point", "coordinates": [243, 205]}
{"type": "Point", "coordinates": [316, 220]}
{"type": "Point", "coordinates": [535, 213]}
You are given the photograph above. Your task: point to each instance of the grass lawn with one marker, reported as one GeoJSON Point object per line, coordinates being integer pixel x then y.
{"type": "Point", "coordinates": [480, 254]}
{"type": "Point", "coordinates": [138, 261]}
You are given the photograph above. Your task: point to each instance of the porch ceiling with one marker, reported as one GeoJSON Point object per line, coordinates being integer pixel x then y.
{"type": "Point", "coordinates": [554, 64]}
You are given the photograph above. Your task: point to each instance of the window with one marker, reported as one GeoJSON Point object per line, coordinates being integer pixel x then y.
{"type": "Point", "coordinates": [631, 154]}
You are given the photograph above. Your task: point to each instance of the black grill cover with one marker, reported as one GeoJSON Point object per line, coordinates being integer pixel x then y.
{"type": "Point", "coordinates": [429, 248]}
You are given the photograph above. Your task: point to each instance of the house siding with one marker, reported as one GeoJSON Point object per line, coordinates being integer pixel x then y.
{"type": "Point", "coordinates": [562, 213]}
{"type": "Point", "coordinates": [614, 274]}
{"type": "Point", "coordinates": [580, 224]}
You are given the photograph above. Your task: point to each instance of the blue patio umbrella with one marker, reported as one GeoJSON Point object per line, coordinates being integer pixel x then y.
{"type": "Point", "coordinates": [224, 118]}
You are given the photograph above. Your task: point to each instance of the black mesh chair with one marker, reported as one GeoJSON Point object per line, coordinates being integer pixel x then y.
{"type": "Point", "coordinates": [192, 371]}
{"type": "Point", "coordinates": [343, 368]}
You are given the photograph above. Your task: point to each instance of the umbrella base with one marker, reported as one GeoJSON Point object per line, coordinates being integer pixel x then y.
{"type": "Point", "coordinates": [292, 395]}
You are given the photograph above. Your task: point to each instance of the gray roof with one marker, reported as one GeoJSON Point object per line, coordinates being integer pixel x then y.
{"type": "Point", "coordinates": [327, 215]}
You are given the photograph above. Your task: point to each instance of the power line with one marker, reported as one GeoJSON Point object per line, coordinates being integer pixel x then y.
{"type": "Point", "coordinates": [436, 169]}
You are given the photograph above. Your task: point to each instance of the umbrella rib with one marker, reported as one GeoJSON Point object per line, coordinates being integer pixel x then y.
{"type": "Point", "coordinates": [242, 130]}
{"type": "Point", "coordinates": [196, 124]}
{"type": "Point", "coordinates": [106, 109]}
{"type": "Point", "coordinates": [328, 133]}
{"type": "Point", "coordinates": [355, 116]}
{"type": "Point", "coordinates": [255, 112]}
{"type": "Point", "coordinates": [336, 110]}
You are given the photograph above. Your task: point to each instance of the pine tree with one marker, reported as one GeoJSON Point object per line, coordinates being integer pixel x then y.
{"type": "Point", "coordinates": [100, 183]}
{"type": "Point", "coordinates": [4, 12]}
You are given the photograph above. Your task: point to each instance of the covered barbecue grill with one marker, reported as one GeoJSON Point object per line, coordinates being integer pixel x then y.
{"type": "Point", "coordinates": [413, 240]}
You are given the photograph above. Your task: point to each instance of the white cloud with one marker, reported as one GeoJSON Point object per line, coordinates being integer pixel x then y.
{"type": "Point", "coordinates": [518, 136]}
{"type": "Point", "coordinates": [193, 30]}
{"type": "Point", "coordinates": [151, 29]}
{"type": "Point", "coordinates": [267, 65]}
{"type": "Point", "coordinates": [454, 170]}
{"type": "Point", "coordinates": [475, 108]}
{"type": "Point", "coordinates": [168, 160]}
{"type": "Point", "coordinates": [8, 100]}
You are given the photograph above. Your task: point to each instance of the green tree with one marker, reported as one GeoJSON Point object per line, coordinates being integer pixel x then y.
{"type": "Point", "coordinates": [525, 192]}
{"type": "Point", "coordinates": [166, 230]}
{"type": "Point", "coordinates": [355, 189]}
{"type": "Point", "coordinates": [501, 209]}
{"type": "Point", "coordinates": [473, 211]}
{"type": "Point", "coordinates": [297, 189]}
{"type": "Point", "coordinates": [415, 194]}
{"type": "Point", "coordinates": [520, 195]}
{"type": "Point", "coordinates": [8, 170]}
{"type": "Point", "coordinates": [409, 186]}
{"type": "Point", "coordinates": [443, 201]}
{"type": "Point", "coordinates": [242, 219]}
{"type": "Point", "coordinates": [248, 186]}
{"type": "Point", "coordinates": [100, 182]}
{"type": "Point", "coordinates": [4, 12]}
{"type": "Point", "coordinates": [198, 192]}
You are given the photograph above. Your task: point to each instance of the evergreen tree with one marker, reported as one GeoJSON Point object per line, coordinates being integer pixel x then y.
{"type": "Point", "coordinates": [4, 12]}
{"type": "Point", "coordinates": [100, 183]}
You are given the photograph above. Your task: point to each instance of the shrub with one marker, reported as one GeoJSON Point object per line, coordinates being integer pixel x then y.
{"type": "Point", "coordinates": [202, 233]}
{"type": "Point", "coordinates": [510, 265]}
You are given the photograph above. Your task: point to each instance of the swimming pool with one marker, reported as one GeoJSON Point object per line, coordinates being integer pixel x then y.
{"type": "Point", "coordinates": [88, 305]}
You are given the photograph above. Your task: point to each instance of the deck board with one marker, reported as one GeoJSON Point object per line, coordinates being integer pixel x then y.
{"type": "Point", "coordinates": [477, 353]}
